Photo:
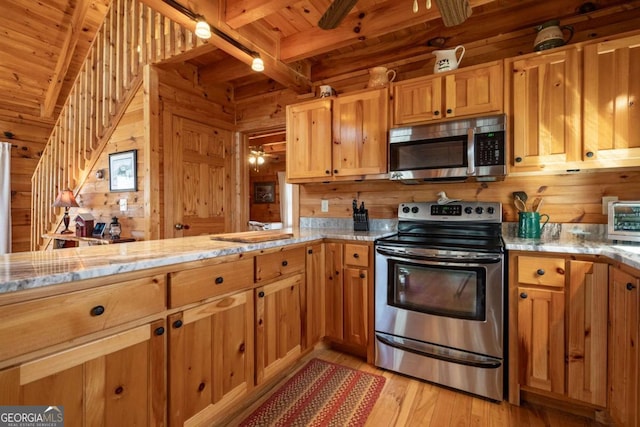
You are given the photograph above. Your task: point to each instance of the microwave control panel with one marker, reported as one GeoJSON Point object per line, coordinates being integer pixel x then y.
{"type": "Point", "coordinates": [489, 148]}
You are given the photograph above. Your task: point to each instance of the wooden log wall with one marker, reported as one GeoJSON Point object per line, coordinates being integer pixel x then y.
{"type": "Point", "coordinates": [132, 35]}
{"type": "Point", "coordinates": [568, 198]}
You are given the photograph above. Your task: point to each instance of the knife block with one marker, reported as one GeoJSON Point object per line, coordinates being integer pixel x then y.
{"type": "Point", "coordinates": [361, 221]}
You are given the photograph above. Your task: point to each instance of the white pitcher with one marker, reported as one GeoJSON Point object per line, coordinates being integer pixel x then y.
{"type": "Point", "coordinates": [380, 76]}
{"type": "Point", "coordinates": [446, 60]}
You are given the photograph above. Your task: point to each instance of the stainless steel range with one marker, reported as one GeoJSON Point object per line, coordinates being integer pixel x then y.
{"type": "Point", "coordinates": [439, 296]}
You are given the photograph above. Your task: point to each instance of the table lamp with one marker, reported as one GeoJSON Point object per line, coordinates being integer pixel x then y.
{"type": "Point", "coordinates": [65, 200]}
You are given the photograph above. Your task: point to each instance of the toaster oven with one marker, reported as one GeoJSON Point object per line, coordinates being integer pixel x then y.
{"type": "Point", "coordinates": [624, 221]}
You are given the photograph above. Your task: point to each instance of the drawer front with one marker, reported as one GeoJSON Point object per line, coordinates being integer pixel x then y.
{"type": "Point", "coordinates": [198, 284]}
{"type": "Point", "coordinates": [38, 324]}
{"type": "Point", "coordinates": [357, 255]}
{"type": "Point", "coordinates": [273, 265]}
{"type": "Point", "coordinates": [544, 271]}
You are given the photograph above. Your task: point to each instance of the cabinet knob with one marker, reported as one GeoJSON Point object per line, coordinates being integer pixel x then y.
{"type": "Point", "coordinates": [159, 331]}
{"type": "Point", "coordinates": [241, 348]}
{"type": "Point", "coordinates": [356, 256]}
{"type": "Point", "coordinates": [219, 280]}
{"type": "Point", "coordinates": [589, 154]}
{"type": "Point", "coordinates": [523, 295]}
{"type": "Point", "coordinates": [518, 159]}
{"type": "Point", "coordinates": [119, 390]}
{"type": "Point", "coordinates": [328, 172]}
{"type": "Point", "coordinates": [177, 324]}
{"type": "Point", "coordinates": [630, 286]}
{"type": "Point", "coordinates": [362, 275]}
{"type": "Point", "coordinates": [540, 272]}
{"type": "Point", "coordinates": [179, 226]}
{"type": "Point", "coordinates": [335, 171]}
{"type": "Point", "coordinates": [201, 386]}
{"type": "Point", "coordinates": [310, 251]}
{"type": "Point", "coordinates": [449, 111]}
{"type": "Point", "coordinates": [97, 310]}
{"type": "Point", "coordinates": [260, 294]}
{"type": "Point", "coordinates": [285, 263]}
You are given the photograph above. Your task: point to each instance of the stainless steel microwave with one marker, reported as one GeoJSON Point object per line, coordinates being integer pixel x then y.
{"type": "Point", "coordinates": [460, 150]}
{"type": "Point", "coordinates": [624, 221]}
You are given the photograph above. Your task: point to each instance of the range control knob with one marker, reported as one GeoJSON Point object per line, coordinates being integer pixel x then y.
{"type": "Point", "coordinates": [479, 210]}
{"type": "Point", "coordinates": [405, 209]}
{"type": "Point", "coordinates": [490, 210]}
{"type": "Point", "coordinates": [414, 209]}
{"type": "Point", "coordinates": [468, 210]}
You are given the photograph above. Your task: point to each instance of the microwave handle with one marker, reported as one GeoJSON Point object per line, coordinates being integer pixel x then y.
{"type": "Point", "coordinates": [471, 152]}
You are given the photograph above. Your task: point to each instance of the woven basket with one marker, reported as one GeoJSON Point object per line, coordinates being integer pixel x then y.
{"type": "Point", "coordinates": [454, 12]}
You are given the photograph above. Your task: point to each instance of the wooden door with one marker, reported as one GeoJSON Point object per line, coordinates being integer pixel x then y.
{"type": "Point", "coordinates": [360, 127]}
{"type": "Point", "coordinates": [309, 140]}
{"type": "Point", "coordinates": [623, 398]}
{"type": "Point", "coordinates": [611, 103]}
{"type": "Point", "coordinates": [355, 306]}
{"type": "Point", "coordinates": [541, 339]}
{"type": "Point", "coordinates": [314, 298]}
{"type": "Point", "coordinates": [334, 299]}
{"type": "Point", "coordinates": [197, 170]}
{"type": "Point", "coordinates": [117, 380]}
{"type": "Point", "coordinates": [476, 90]}
{"type": "Point", "coordinates": [546, 111]}
{"type": "Point", "coordinates": [278, 330]}
{"type": "Point", "coordinates": [210, 358]}
{"type": "Point", "coordinates": [587, 332]}
{"type": "Point", "coordinates": [417, 100]}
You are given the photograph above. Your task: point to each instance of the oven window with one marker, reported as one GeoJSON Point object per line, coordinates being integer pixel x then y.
{"type": "Point", "coordinates": [440, 290]}
{"type": "Point", "coordinates": [450, 152]}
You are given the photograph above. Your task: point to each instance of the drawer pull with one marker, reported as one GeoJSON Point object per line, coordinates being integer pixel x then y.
{"type": "Point", "coordinates": [219, 280]}
{"type": "Point", "coordinates": [523, 295]}
{"type": "Point", "coordinates": [119, 390]}
{"type": "Point", "coordinates": [261, 294]}
{"type": "Point", "coordinates": [630, 286]}
{"type": "Point", "coordinates": [356, 256]}
{"type": "Point", "coordinates": [285, 263]}
{"type": "Point", "coordinates": [177, 324]}
{"type": "Point", "coordinates": [159, 331]}
{"type": "Point", "coordinates": [540, 272]}
{"type": "Point", "coordinates": [97, 310]}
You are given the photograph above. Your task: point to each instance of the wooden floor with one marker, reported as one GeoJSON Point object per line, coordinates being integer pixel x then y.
{"type": "Point", "coordinates": [409, 402]}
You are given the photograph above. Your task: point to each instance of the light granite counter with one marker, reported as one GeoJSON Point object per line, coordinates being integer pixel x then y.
{"type": "Point", "coordinates": [28, 270]}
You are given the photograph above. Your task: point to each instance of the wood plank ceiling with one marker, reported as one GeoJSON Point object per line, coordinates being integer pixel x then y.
{"type": "Point", "coordinates": [44, 42]}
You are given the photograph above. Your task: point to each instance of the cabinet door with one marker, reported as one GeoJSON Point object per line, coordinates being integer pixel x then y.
{"type": "Point", "coordinates": [117, 380]}
{"type": "Point", "coordinates": [278, 331]}
{"type": "Point", "coordinates": [355, 306]}
{"type": "Point", "coordinates": [314, 307]}
{"type": "Point", "coordinates": [417, 100]}
{"type": "Point", "coordinates": [309, 140]}
{"type": "Point", "coordinates": [360, 126]}
{"type": "Point", "coordinates": [611, 96]}
{"type": "Point", "coordinates": [546, 110]}
{"type": "Point", "coordinates": [541, 339]}
{"type": "Point", "coordinates": [587, 332]}
{"type": "Point", "coordinates": [333, 290]}
{"type": "Point", "coordinates": [210, 358]}
{"type": "Point", "coordinates": [475, 90]}
{"type": "Point", "coordinates": [623, 395]}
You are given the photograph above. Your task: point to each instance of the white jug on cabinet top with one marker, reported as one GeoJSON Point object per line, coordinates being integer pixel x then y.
{"type": "Point", "coordinates": [446, 60]}
{"type": "Point", "coordinates": [380, 76]}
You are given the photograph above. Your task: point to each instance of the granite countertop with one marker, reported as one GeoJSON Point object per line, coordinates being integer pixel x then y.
{"type": "Point", "coordinates": [28, 270]}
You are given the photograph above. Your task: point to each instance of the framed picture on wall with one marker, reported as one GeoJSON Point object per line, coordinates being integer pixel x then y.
{"type": "Point", "coordinates": [122, 171]}
{"type": "Point", "coordinates": [264, 192]}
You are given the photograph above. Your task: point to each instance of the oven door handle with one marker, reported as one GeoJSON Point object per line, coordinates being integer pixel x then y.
{"type": "Point", "coordinates": [438, 259]}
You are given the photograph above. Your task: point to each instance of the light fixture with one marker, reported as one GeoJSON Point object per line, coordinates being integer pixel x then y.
{"type": "Point", "coordinates": [66, 200]}
{"type": "Point", "coordinates": [203, 30]}
{"type": "Point", "coordinates": [256, 157]}
{"type": "Point", "coordinates": [257, 64]}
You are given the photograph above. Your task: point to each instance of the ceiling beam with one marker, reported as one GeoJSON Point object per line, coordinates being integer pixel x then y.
{"type": "Point", "coordinates": [71, 38]}
{"type": "Point", "coordinates": [294, 76]}
{"type": "Point", "coordinates": [242, 12]}
{"type": "Point", "coordinates": [380, 20]}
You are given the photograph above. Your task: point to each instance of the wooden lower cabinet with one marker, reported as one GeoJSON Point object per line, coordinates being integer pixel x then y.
{"type": "Point", "coordinates": [278, 326]}
{"type": "Point", "coordinates": [210, 358]}
{"type": "Point", "coordinates": [115, 380]}
{"type": "Point", "coordinates": [355, 306]}
{"type": "Point", "coordinates": [558, 336]}
{"type": "Point", "coordinates": [313, 308]}
{"type": "Point", "coordinates": [624, 394]}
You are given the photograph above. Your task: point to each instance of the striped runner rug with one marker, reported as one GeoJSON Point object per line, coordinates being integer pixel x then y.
{"type": "Point", "coordinates": [320, 394]}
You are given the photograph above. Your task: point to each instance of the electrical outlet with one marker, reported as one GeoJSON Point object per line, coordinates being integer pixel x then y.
{"type": "Point", "coordinates": [123, 205]}
{"type": "Point", "coordinates": [324, 205]}
{"type": "Point", "coordinates": [605, 203]}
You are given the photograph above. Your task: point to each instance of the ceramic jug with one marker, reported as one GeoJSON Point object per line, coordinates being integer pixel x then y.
{"type": "Point", "coordinates": [380, 76]}
{"type": "Point", "coordinates": [446, 60]}
{"type": "Point", "coordinates": [550, 35]}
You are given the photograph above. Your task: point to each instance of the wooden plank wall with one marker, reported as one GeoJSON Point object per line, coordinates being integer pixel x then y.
{"type": "Point", "coordinates": [568, 198]}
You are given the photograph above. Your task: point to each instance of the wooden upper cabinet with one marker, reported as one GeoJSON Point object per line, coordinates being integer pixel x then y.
{"type": "Point", "coordinates": [464, 92]}
{"type": "Point", "coordinates": [360, 127]}
{"type": "Point", "coordinates": [612, 103]}
{"type": "Point", "coordinates": [546, 110]}
{"type": "Point", "coordinates": [309, 139]}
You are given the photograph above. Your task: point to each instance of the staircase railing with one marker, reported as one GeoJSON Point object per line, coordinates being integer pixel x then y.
{"type": "Point", "coordinates": [131, 36]}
